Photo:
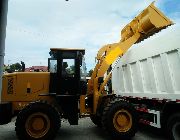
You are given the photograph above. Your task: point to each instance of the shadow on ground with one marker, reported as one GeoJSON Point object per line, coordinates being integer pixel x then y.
{"type": "Point", "coordinates": [86, 130]}
{"type": "Point", "coordinates": [151, 132]}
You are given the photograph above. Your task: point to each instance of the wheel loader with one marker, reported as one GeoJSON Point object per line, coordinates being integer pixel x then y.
{"type": "Point", "coordinates": [41, 99]}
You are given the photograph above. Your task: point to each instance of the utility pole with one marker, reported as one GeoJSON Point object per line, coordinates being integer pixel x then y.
{"type": "Point", "coordinates": [3, 23]}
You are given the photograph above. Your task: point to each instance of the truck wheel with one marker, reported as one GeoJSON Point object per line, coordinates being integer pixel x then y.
{"type": "Point", "coordinates": [173, 127]}
{"type": "Point", "coordinates": [37, 121]}
{"type": "Point", "coordinates": [120, 119]}
{"type": "Point", "coordinates": [96, 120]}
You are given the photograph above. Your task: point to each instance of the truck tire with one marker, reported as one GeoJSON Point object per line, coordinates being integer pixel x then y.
{"type": "Point", "coordinates": [96, 120]}
{"type": "Point", "coordinates": [173, 127]}
{"type": "Point", "coordinates": [120, 119]}
{"type": "Point", "coordinates": [37, 121]}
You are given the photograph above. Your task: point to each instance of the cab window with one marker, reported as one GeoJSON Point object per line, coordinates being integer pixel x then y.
{"type": "Point", "coordinates": [53, 66]}
{"type": "Point", "coordinates": [68, 68]}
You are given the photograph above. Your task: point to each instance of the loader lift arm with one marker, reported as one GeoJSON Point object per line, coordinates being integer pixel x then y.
{"type": "Point", "coordinates": [147, 23]}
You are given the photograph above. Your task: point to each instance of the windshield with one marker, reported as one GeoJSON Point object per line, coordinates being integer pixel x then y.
{"type": "Point", "coordinates": [83, 72]}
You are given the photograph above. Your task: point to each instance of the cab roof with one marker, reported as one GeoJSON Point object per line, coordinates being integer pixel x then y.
{"type": "Point", "coordinates": [66, 49]}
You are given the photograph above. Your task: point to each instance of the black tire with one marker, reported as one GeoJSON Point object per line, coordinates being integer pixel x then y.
{"type": "Point", "coordinates": [173, 127]}
{"type": "Point", "coordinates": [96, 120]}
{"type": "Point", "coordinates": [111, 114]}
{"type": "Point", "coordinates": [28, 118]}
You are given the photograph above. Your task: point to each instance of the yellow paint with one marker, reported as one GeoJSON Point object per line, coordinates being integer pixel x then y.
{"type": "Point", "coordinates": [28, 85]}
{"type": "Point", "coordinates": [95, 95]}
{"type": "Point", "coordinates": [82, 104]}
{"type": "Point", "coordinates": [102, 51]}
{"type": "Point", "coordinates": [122, 120]}
{"type": "Point", "coordinates": [19, 82]}
{"type": "Point", "coordinates": [114, 53]}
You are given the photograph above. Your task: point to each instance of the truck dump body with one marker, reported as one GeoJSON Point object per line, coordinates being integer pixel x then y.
{"type": "Point", "coordinates": [149, 77]}
{"type": "Point", "coordinates": [151, 72]}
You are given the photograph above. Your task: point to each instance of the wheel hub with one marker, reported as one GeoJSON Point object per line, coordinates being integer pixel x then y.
{"type": "Point", "coordinates": [122, 120]}
{"type": "Point", "coordinates": [37, 125]}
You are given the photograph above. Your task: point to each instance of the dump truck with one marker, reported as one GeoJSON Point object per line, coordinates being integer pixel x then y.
{"type": "Point", "coordinates": [40, 100]}
{"type": "Point", "coordinates": [149, 78]}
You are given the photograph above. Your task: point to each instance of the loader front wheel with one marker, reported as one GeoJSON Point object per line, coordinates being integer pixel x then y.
{"type": "Point", "coordinates": [120, 119]}
{"type": "Point", "coordinates": [37, 121]}
{"type": "Point", "coordinates": [173, 127]}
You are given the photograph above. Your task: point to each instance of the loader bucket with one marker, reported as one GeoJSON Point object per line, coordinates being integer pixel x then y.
{"type": "Point", "coordinates": [148, 22]}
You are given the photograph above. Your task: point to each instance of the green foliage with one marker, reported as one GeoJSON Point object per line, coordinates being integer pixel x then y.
{"type": "Point", "coordinates": [70, 70]}
{"type": "Point", "coordinates": [15, 67]}
{"type": "Point", "coordinates": [4, 68]}
{"type": "Point", "coordinates": [90, 73]}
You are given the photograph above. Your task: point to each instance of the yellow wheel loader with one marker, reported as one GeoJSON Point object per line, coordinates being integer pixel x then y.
{"type": "Point", "coordinates": [41, 99]}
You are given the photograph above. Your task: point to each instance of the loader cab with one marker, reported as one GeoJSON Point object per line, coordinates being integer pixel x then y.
{"type": "Point", "coordinates": [67, 71]}
{"type": "Point", "coordinates": [67, 80]}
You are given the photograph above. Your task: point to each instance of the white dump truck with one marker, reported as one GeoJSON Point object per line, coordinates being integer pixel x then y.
{"type": "Point", "coordinates": [149, 77]}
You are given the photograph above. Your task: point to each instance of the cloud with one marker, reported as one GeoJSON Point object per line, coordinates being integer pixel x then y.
{"type": "Point", "coordinates": [36, 26]}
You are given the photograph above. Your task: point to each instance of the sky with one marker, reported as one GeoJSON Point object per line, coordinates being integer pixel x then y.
{"type": "Point", "coordinates": [35, 26]}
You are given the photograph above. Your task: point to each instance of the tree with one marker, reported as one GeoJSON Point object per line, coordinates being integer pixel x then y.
{"type": "Point", "coordinates": [90, 73]}
{"type": "Point", "coordinates": [70, 70]}
{"type": "Point", "coordinates": [15, 67]}
{"type": "Point", "coordinates": [4, 68]}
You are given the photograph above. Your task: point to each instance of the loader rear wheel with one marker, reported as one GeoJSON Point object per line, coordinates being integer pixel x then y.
{"type": "Point", "coordinates": [120, 119]}
{"type": "Point", "coordinates": [37, 121]}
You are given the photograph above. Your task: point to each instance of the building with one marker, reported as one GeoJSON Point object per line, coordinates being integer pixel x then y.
{"type": "Point", "coordinates": [37, 69]}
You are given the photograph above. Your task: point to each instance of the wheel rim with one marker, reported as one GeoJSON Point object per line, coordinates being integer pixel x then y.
{"type": "Point", "coordinates": [122, 120]}
{"type": "Point", "coordinates": [176, 131]}
{"type": "Point", "coordinates": [37, 125]}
